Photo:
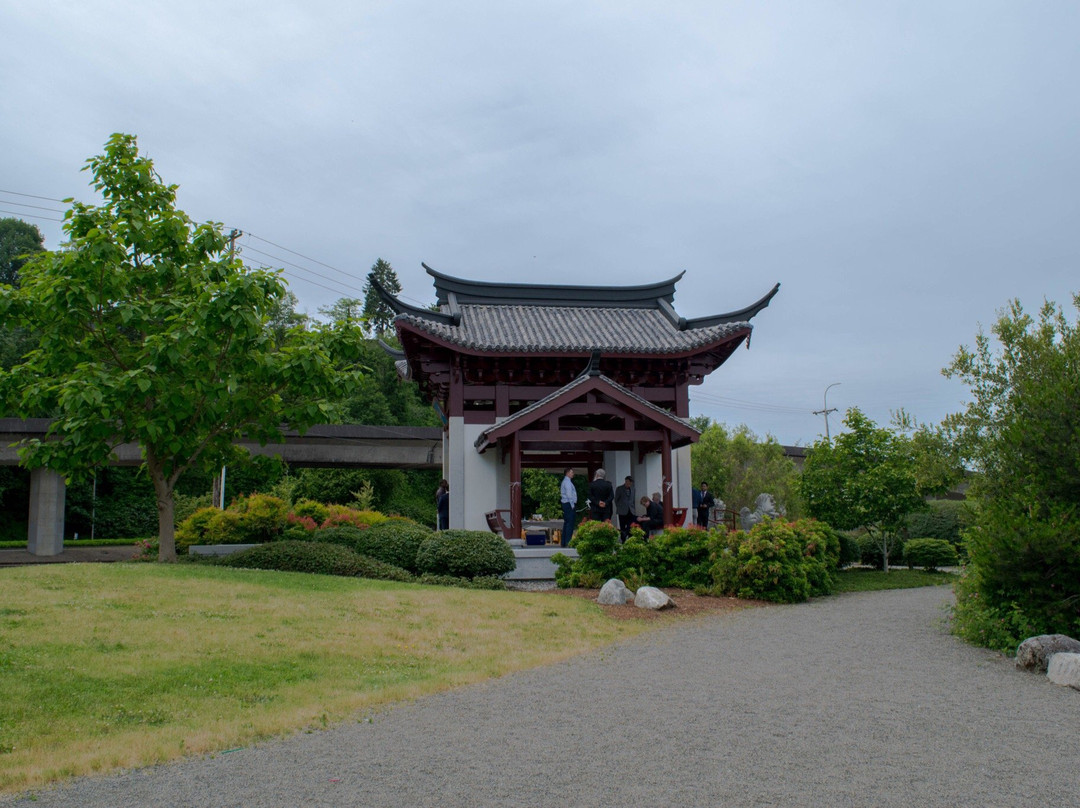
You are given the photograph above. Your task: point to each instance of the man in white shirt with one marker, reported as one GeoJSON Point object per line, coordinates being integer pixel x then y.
{"type": "Point", "coordinates": [568, 496]}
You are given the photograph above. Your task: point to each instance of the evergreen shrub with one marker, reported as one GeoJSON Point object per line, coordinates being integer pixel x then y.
{"type": "Point", "coordinates": [311, 509]}
{"type": "Point", "coordinates": [193, 530]}
{"type": "Point", "coordinates": [395, 541]}
{"type": "Point", "coordinates": [338, 515]}
{"type": "Point", "coordinates": [765, 563]}
{"type": "Point", "coordinates": [777, 561]}
{"type": "Point", "coordinates": [1028, 564]}
{"type": "Point", "coordinates": [850, 549]}
{"type": "Point", "coordinates": [929, 554]}
{"type": "Point", "coordinates": [597, 544]}
{"type": "Point", "coordinates": [945, 520]}
{"type": "Point", "coordinates": [349, 536]}
{"type": "Point", "coordinates": [465, 554]}
{"type": "Point", "coordinates": [680, 557]}
{"type": "Point", "coordinates": [422, 512]}
{"type": "Point", "coordinates": [262, 517]}
{"type": "Point", "coordinates": [870, 549]}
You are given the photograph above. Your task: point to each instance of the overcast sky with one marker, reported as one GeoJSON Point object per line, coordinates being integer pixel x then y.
{"type": "Point", "coordinates": [903, 169]}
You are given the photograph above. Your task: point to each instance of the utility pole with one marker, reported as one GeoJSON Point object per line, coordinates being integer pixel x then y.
{"type": "Point", "coordinates": [217, 492]}
{"type": "Point", "coordinates": [826, 410]}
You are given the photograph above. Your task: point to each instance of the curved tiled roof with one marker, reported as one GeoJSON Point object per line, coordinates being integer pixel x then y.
{"type": "Point", "coordinates": [567, 329]}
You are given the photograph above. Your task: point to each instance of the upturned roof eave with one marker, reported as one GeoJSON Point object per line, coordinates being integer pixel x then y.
{"type": "Point", "coordinates": [492, 293]}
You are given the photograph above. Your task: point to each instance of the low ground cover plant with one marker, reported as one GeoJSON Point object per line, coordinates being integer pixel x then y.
{"type": "Point", "coordinates": [321, 558]}
{"type": "Point", "coordinates": [862, 579]}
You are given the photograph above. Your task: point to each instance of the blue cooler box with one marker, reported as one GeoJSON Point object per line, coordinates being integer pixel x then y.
{"type": "Point", "coordinates": [535, 538]}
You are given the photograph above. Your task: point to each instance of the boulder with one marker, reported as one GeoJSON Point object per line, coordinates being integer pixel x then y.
{"type": "Point", "coordinates": [649, 597]}
{"type": "Point", "coordinates": [614, 593]}
{"type": "Point", "coordinates": [1064, 669]}
{"type": "Point", "coordinates": [1034, 653]}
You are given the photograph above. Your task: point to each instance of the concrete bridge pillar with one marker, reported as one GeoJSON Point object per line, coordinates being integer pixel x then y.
{"type": "Point", "coordinates": [46, 530]}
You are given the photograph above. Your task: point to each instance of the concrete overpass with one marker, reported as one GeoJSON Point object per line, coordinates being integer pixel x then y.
{"type": "Point", "coordinates": [322, 446]}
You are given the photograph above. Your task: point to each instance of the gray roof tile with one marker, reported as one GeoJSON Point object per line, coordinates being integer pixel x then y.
{"type": "Point", "coordinates": [565, 329]}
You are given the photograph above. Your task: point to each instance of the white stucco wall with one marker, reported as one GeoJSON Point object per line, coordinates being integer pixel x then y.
{"type": "Point", "coordinates": [478, 482]}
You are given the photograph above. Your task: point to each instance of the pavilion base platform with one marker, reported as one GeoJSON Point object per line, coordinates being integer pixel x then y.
{"type": "Point", "coordinates": [534, 563]}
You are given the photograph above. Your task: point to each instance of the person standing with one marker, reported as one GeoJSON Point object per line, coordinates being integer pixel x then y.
{"type": "Point", "coordinates": [624, 507]}
{"type": "Point", "coordinates": [442, 503]}
{"type": "Point", "coordinates": [568, 497]}
{"type": "Point", "coordinates": [601, 496]}
{"type": "Point", "coordinates": [703, 502]}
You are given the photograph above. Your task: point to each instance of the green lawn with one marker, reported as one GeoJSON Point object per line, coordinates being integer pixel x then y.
{"type": "Point", "coordinates": [116, 665]}
{"type": "Point", "coordinates": [860, 579]}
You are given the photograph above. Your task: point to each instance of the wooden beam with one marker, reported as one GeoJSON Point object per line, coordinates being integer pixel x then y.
{"type": "Point", "coordinates": [592, 436]}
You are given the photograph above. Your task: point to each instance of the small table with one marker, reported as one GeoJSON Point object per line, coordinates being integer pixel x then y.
{"type": "Point", "coordinates": [549, 526]}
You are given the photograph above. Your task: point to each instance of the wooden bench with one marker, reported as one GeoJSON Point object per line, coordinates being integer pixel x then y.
{"type": "Point", "coordinates": [497, 523]}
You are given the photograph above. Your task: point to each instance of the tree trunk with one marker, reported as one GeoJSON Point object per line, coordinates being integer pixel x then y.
{"type": "Point", "coordinates": [166, 512]}
{"type": "Point", "coordinates": [885, 550]}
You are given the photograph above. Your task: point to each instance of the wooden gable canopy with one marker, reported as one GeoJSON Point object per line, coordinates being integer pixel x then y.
{"type": "Point", "coordinates": [592, 412]}
{"type": "Point", "coordinates": [590, 415]}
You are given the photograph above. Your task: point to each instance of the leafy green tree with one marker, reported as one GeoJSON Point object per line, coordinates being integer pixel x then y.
{"type": "Point", "coordinates": [936, 458]}
{"type": "Point", "coordinates": [865, 478]}
{"type": "Point", "coordinates": [153, 332]}
{"type": "Point", "coordinates": [18, 240]}
{"type": "Point", "coordinates": [1021, 430]}
{"type": "Point", "coordinates": [377, 314]}
{"type": "Point", "coordinates": [347, 310]}
{"type": "Point", "coordinates": [739, 466]}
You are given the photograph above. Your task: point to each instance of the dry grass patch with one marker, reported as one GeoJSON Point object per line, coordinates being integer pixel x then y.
{"type": "Point", "coordinates": [120, 665]}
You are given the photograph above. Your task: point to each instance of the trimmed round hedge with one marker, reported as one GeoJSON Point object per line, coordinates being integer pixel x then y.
{"type": "Point", "coordinates": [321, 558]}
{"type": "Point", "coordinates": [395, 541]}
{"type": "Point", "coordinates": [465, 554]}
{"type": "Point", "coordinates": [930, 553]}
{"type": "Point", "coordinates": [345, 535]}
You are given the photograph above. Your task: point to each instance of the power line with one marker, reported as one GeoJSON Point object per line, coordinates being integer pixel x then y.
{"type": "Point", "coordinates": [21, 214]}
{"type": "Point", "coordinates": [338, 288]}
{"type": "Point", "coordinates": [301, 255]}
{"type": "Point", "coordinates": [261, 265]}
{"type": "Point", "coordinates": [35, 207]}
{"type": "Point", "coordinates": [749, 405]}
{"type": "Point", "coordinates": [31, 196]}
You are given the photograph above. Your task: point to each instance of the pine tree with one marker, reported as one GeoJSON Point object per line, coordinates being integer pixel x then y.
{"type": "Point", "coordinates": [376, 312]}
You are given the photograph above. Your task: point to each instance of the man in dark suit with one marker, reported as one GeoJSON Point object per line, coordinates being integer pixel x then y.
{"type": "Point", "coordinates": [624, 507]}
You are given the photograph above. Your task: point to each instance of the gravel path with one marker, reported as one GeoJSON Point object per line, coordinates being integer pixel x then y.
{"type": "Point", "coordinates": [856, 700]}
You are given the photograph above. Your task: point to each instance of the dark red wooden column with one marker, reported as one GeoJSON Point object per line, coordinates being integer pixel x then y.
{"type": "Point", "coordinates": [665, 466]}
{"type": "Point", "coordinates": [515, 484]}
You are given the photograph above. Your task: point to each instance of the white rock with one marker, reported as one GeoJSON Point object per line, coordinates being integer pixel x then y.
{"type": "Point", "coordinates": [1064, 669]}
{"type": "Point", "coordinates": [614, 593]}
{"type": "Point", "coordinates": [649, 597]}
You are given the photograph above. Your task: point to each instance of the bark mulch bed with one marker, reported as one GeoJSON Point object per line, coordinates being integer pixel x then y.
{"type": "Point", "coordinates": [687, 604]}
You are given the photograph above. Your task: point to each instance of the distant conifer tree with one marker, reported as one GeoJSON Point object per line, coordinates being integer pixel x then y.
{"type": "Point", "coordinates": [376, 312]}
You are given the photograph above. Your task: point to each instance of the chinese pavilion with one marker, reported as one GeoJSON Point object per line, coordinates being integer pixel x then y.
{"type": "Point", "coordinates": [549, 376]}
